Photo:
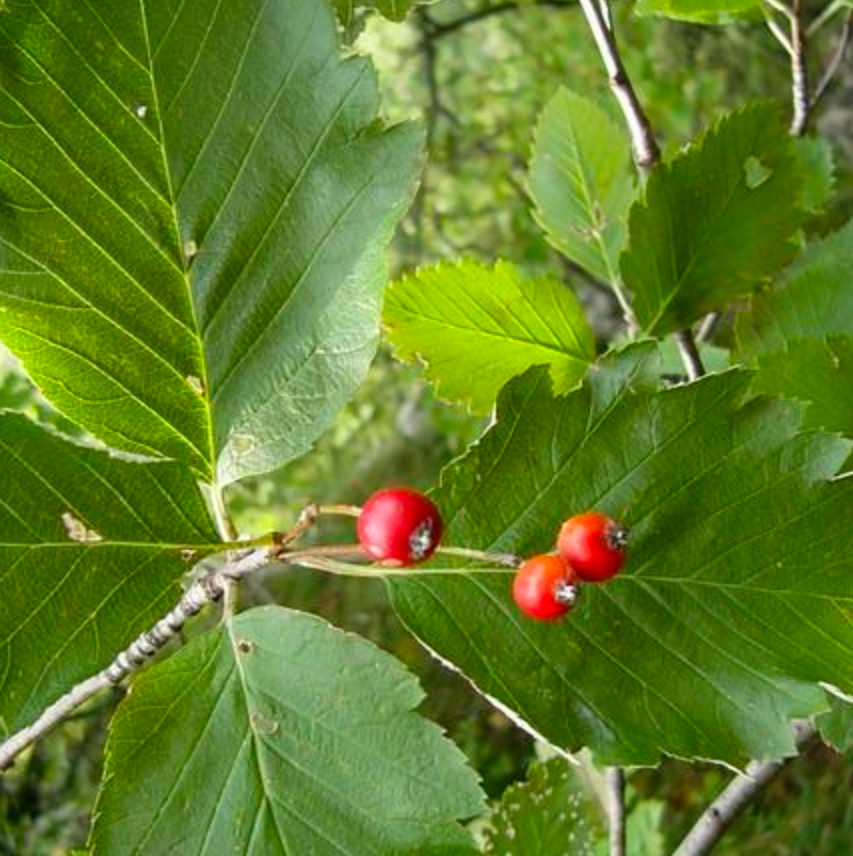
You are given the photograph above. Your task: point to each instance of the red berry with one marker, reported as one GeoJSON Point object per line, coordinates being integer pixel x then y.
{"type": "Point", "coordinates": [544, 587]}
{"type": "Point", "coordinates": [399, 525]}
{"type": "Point", "coordinates": [594, 545]}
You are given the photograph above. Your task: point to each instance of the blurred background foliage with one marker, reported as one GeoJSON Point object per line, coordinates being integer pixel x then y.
{"type": "Point", "coordinates": [479, 72]}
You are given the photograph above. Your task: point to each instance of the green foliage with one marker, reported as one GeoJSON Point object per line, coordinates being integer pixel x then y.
{"type": "Point", "coordinates": [279, 734]}
{"type": "Point", "coordinates": [703, 475]}
{"type": "Point", "coordinates": [836, 725]}
{"type": "Point", "coordinates": [817, 166]}
{"type": "Point", "coordinates": [545, 815]}
{"type": "Point", "coordinates": [698, 11]}
{"type": "Point", "coordinates": [715, 222]}
{"type": "Point", "coordinates": [192, 223]}
{"type": "Point", "coordinates": [582, 182]}
{"type": "Point", "coordinates": [797, 333]}
{"type": "Point", "coordinates": [476, 327]}
{"type": "Point", "coordinates": [91, 551]}
{"type": "Point", "coordinates": [394, 10]}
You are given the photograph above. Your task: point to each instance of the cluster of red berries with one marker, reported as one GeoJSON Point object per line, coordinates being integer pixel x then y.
{"type": "Point", "coordinates": [402, 527]}
{"type": "Point", "coordinates": [590, 548]}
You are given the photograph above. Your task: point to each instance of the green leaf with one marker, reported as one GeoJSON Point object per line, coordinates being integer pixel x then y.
{"type": "Point", "coordinates": [475, 327]}
{"type": "Point", "coordinates": [582, 183]}
{"type": "Point", "coordinates": [715, 222]}
{"type": "Point", "coordinates": [811, 300]}
{"type": "Point", "coordinates": [280, 734]}
{"type": "Point", "coordinates": [545, 815]}
{"type": "Point", "coordinates": [91, 552]}
{"type": "Point", "coordinates": [735, 599]}
{"type": "Point", "coordinates": [836, 725]}
{"type": "Point", "coordinates": [797, 334]}
{"type": "Point", "coordinates": [698, 11]}
{"type": "Point", "coordinates": [815, 371]}
{"type": "Point", "coordinates": [187, 212]}
{"type": "Point", "coordinates": [817, 167]}
{"type": "Point", "coordinates": [394, 10]}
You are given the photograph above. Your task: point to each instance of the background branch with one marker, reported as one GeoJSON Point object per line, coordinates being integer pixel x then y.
{"type": "Point", "coordinates": [614, 778]}
{"type": "Point", "coordinates": [739, 794]}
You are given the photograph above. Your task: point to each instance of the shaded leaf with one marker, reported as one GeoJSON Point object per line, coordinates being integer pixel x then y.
{"type": "Point", "coordinates": [184, 209]}
{"type": "Point", "coordinates": [280, 734]}
{"type": "Point", "coordinates": [817, 167]}
{"type": "Point", "coordinates": [836, 725]}
{"type": "Point", "coordinates": [476, 326]}
{"type": "Point", "coordinates": [818, 372]}
{"type": "Point", "coordinates": [797, 333]}
{"type": "Point", "coordinates": [811, 300]}
{"type": "Point", "coordinates": [715, 222]}
{"type": "Point", "coordinates": [735, 599]}
{"type": "Point", "coordinates": [582, 182]}
{"type": "Point", "coordinates": [91, 552]}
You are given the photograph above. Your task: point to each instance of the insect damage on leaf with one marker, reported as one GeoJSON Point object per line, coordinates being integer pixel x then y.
{"type": "Point", "coordinates": [756, 172]}
{"type": "Point", "coordinates": [77, 530]}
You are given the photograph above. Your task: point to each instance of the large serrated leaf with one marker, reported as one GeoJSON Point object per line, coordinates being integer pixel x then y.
{"type": "Point", "coordinates": [714, 223]}
{"type": "Point", "coordinates": [191, 196]}
{"type": "Point", "coordinates": [279, 734]}
{"type": "Point", "coordinates": [736, 596]}
{"type": "Point", "coordinates": [476, 327]}
{"type": "Point", "coordinates": [582, 183]}
{"type": "Point", "coordinates": [797, 334]}
{"type": "Point", "coordinates": [91, 552]}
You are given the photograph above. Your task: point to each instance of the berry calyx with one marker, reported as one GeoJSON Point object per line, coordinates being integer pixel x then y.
{"type": "Point", "coordinates": [545, 587]}
{"type": "Point", "coordinates": [399, 525]}
{"type": "Point", "coordinates": [594, 545]}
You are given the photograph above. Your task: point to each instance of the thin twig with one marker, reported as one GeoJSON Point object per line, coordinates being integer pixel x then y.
{"type": "Point", "coordinates": [835, 63]}
{"type": "Point", "coordinates": [829, 12]}
{"type": "Point", "coordinates": [779, 34]}
{"type": "Point", "coordinates": [799, 72]}
{"type": "Point", "coordinates": [646, 151]}
{"type": "Point", "coordinates": [204, 591]}
{"type": "Point", "coordinates": [614, 778]}
{"type": "Point", "coordinates": [707, 326]}
{"type": "Point", "coordinates": [689, 354]}
{"type": "Point", "coordinates": [739, 793]}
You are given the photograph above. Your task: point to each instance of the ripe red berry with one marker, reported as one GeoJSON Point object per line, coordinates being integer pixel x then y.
{"type": "Point", "coordinates": [594, 545]}
{"type": "Point", "coordinates": [544, 587]}
{"type": "Point", "coordinates": [400, 525]}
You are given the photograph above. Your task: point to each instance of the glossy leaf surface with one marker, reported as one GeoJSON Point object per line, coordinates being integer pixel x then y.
{"type": "Point", "coordinates": [92, 549]}
{"type": "Point", "coordinates": [195, 198]}
{"type": "Point", "coordinates": [734, 600]}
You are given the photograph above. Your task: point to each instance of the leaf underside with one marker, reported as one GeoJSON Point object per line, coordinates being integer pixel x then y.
{"type": "Point", "coordinates": [477, 326]}
{"type": "Point", "coordinates": [278, 734]}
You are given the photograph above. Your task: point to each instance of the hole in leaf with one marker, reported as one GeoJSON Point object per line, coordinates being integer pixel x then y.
{"type": "Point", "coordinates": [756, 173]}
{"type": "Point", "coordinates": [244, 646]}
